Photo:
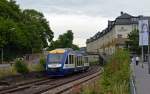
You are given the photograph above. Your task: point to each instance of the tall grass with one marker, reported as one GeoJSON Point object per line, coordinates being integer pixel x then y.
{"type": "Point", "coordinates": [40, 66]}
{"type": "Point", "coordinates": [115, 78]}
{"type": "Point", "coordinates": [4, 72]}
{"type": "Point", "coordinates": [21, 67]}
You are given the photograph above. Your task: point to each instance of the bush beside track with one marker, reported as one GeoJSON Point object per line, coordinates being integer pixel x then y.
{"type": "Point", "coordinates": [20, 67]}
{"type": "Point", "coordinates": [115, 78]}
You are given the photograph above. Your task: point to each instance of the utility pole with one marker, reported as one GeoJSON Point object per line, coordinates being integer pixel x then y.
{"type": "Point", "coordinates": [148, 53]}
{"type": "Point", "coordinates": [142, 57]}
{"type": "Point", "coordinates": [2, 55]}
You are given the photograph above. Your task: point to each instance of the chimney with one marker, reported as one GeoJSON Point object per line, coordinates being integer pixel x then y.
{"type": "Point", "coordinates": [121, 12]}
{"type": "Point", "coordinates": [109, 23]}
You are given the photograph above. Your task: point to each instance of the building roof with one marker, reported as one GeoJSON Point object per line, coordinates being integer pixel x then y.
{"type": "Point", "coordinates": [123, 19]}
{"type": "Point", "coordinates": [124, 16]}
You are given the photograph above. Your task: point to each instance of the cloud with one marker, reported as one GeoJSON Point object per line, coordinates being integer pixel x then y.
{"type": "Point", "coordinates": [107, 8]}
{"type": "Point", "coordinates": [83, 26]}
{"type": "Point", "coordinates": [84, 17]}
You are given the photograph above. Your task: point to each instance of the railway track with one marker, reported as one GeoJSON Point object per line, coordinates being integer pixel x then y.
{"type": "Point", "coordinates": [67, 87]}
{"type": "Point", "coordinates": [48, 85]}
{"type": "Point", "coordinates": [25, 85]}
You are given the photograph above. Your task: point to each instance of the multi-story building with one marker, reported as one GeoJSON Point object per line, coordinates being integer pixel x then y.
{"type": "Point", "coordinates": [115, 35]}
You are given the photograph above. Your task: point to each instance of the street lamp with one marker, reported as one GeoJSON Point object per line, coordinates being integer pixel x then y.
{"type": "Point", "coordinates": [2, 54]}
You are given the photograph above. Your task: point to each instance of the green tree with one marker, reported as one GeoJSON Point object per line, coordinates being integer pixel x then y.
{"type": "Point", "coordinates": [133, 42]}
{"type": "Point", "coordinates": [64, 41]}
{"type": "Point", "coordinates": [22, 31]}
{"type": "Point", "coordinates": [40, 25]}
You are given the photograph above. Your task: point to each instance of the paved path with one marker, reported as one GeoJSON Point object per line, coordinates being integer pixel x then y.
{"type": "Point", "coordinates": [142, 78]}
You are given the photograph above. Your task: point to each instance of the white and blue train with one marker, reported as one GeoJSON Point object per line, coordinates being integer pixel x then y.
{"type": "Point", "coordinates": [62, 62]}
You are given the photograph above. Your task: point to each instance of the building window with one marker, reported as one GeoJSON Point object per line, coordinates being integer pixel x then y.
{"type": "Point", "coordinates": [119, 36]}
{"type": "Point", "coordinates": [134, 19]}
{"type": "Point", "coordinates": [122, 28]}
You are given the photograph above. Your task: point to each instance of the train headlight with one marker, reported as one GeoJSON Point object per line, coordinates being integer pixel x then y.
{"type": "Point", "coordinates": [54, 65]}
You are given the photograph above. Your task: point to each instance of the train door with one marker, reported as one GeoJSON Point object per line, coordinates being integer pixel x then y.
{"type": "Point", "coordinates": [76, 62]}
{"type": "Point", "coordinates": [86, 64]}
{"type": "Point", "coordinates": [71, 60]}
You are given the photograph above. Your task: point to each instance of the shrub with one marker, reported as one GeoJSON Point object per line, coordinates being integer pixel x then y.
{"type": "Point", "coordinates": [4, 72]}
{"type": "Point", "coordinates": [116, 74]}
{"type": "Point", "coordinates": [40, 66]}
{"type": "Point", "coordinates": [94, 63]}
{"type": "Point", "coordinates": [42, 63]}
{"type": "Point", "coordinates": [21, 67]}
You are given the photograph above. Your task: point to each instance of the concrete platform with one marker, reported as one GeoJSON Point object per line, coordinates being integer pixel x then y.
{"type": "Point", "coordinates": [142, 78]}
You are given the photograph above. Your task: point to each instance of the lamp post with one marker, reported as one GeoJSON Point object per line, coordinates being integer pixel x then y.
{"type": "Point", "coordinates": [2, 55]}
{"type": "Point", "coordinates": [148, 53]}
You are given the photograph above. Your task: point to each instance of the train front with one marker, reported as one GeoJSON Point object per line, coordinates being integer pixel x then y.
{"type": "Point", "coordinates": [54, 64]}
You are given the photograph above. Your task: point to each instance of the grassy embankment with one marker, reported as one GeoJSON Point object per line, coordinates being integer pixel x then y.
{"type": "Point", "coordinates": [115, 78]}
{"type": "Point", "coordinates": [20, 67]}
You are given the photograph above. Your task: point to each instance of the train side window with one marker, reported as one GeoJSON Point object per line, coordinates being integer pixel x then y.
{"type": "Point", "coordinates": [67, 60]}
{"type": "Point", "coordinates": [70, 59]}
{"type": "Point", "coordinates": [73, 61]}
{"type": "Point", "coordinates": [86, 59]}
{"type": "Point", "coordinates": [80, 61]}
{"type": "Point", "coordinates": [77, 60]}
{"type": "Point", "coordinates": [83, 60]}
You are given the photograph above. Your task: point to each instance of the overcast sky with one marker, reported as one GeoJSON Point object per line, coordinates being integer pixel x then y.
{"type": "Point", "coordinates": [84, 17]}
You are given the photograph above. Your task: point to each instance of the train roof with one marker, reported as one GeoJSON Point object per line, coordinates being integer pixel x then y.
{"type": "Point", "coordinates": [60, 50]}
{"type": "Point", "coordinates": [69, 50]}
{"type": "Point", "coordinates": [78, 53]}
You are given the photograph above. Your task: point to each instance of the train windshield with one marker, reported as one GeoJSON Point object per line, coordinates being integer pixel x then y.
{"type": "Point", "coordinates": [55, 58]}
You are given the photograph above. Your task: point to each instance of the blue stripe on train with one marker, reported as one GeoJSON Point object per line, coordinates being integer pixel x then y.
{"type": "Point", "coordinates": [61, 72]}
